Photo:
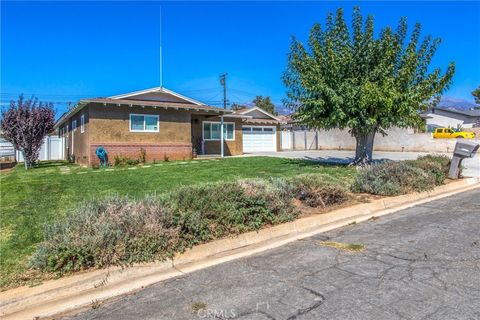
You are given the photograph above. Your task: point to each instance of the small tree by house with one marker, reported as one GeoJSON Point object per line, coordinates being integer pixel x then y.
{"type": "Point", "coordinates": [265, 104]}
{"type": "Point", "coordinates": [350, 79]}
{"type": "Point", "coordinates": [25, 123]}
{"type": "Point", "coordinates": [236, 106]}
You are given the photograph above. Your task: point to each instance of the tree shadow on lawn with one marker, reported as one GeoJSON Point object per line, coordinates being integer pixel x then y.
{"type": "Point", "coordinates": [49, 164]}
{"type": "Point", "coordinates": [335, 161]}
{"type": "Point", "coordinates": [316, 162]}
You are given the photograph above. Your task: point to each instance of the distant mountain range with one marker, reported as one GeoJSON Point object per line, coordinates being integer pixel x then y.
{"type": "Point", "coordinates": [454, 103]}
{"type": "Point", "coordinates": [281, 109]}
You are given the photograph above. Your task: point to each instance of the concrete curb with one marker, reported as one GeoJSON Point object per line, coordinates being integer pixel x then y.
{"type": "Point", "coordinates": [69, 293]}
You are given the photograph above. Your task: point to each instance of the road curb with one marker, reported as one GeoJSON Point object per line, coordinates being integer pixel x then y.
{"type": "Point", "coordinates": [81, 290]}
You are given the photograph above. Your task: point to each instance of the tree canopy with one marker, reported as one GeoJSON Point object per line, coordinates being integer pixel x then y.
{"type": "Point", "coordinates": [266, 104]}
{"type": "Point", "coordinates": [351, 79]}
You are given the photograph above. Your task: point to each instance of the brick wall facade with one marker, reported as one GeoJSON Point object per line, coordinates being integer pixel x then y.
{"type": "Point", "coordinates": [154, 152]}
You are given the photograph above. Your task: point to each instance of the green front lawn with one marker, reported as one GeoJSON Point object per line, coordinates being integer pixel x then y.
{"type": "Point", "coordinates": [31, 198]}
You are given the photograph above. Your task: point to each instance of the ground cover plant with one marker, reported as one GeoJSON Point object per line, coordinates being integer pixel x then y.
{"type": "Point", "coordinates": [121, 231]}
{"type": "Point", "coordinates": [30, 199]}
{"type": "Point", "coordinates": [395, 178]}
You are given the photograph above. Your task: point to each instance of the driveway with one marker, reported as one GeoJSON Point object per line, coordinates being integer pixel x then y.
{"type": "Point", "coordinates": [472, 165]}
{"type": "Point", "coordinates": [419, 263]}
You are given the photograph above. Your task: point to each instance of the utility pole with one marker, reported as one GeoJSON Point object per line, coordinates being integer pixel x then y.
{"type": "Point", "coordinates": [223, 82]}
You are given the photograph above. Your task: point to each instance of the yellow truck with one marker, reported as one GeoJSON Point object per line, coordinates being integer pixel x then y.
{"type": "Point", "coordinates": [447, 133]}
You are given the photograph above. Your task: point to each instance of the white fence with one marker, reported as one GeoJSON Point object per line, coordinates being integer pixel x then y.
{"type": "Point", "coordinates": [52, 149]}
{"type": "Point", "coordinates": [286, 140]}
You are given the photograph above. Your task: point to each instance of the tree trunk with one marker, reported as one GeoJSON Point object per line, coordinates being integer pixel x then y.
{"type": "Point", "coordinates": [25, 160]}
{"type": "Point", "coordinates": [364, 148]}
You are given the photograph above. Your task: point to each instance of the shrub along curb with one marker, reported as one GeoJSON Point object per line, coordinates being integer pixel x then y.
{"type": "Point", "coordinates": [77, 291]}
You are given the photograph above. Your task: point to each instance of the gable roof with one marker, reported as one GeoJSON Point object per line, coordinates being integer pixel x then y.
{"type": "Point", "coordinates": [132, 95]}
{"type": "Point", "coordinates": [248, 110]}
{"type": "Point", "coordinates": [181, 102]}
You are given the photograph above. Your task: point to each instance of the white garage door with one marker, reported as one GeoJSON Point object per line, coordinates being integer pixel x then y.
{"type": "Point", "coordinates": [257, 139]}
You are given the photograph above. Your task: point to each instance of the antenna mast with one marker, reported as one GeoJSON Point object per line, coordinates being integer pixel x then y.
{"type": "Point", "coordinates": [161, 62]}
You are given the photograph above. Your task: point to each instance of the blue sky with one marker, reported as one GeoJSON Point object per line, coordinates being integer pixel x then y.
{"type": "Point", "coordinates": [63, 51]}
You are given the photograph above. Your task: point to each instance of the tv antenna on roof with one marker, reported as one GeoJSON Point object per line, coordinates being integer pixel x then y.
{"type": "Point", "coordinates": [161, 66]}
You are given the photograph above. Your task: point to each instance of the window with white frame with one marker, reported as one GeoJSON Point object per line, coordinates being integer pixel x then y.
{"type": "Point", "coordinates": [82, 123]}
{"type": "Point", "coordinates": [74, 125]}
{"type": "Point", "coordinates": [211, 131]}
{"type": "Point", "coordinates": [144, 123]}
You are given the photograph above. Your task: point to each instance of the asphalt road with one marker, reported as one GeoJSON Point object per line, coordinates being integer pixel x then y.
{"type": "Point", "coordinates": [419, 263]}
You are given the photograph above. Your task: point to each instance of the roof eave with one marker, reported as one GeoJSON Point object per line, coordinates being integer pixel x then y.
{"type": "Point", "coordinates": [155, 106]}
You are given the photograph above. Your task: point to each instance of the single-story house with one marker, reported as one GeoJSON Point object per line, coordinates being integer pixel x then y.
{"type": "Point", "coordinates": [166, 125]}
{"type": "Point", "coordinates": [441, 117]}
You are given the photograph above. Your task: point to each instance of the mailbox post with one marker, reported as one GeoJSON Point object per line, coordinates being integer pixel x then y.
{"type": "Point", "coordinates": [463, 149]}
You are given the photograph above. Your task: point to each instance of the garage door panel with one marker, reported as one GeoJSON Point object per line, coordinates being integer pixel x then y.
{"type": "Point", "coordinates": [256, 139]}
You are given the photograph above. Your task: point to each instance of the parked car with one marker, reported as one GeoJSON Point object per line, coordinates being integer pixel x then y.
{"type": "Point", "coordinates": [447, 133]}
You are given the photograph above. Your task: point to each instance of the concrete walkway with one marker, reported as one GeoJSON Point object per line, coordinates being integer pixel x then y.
{"type": "Point", "coordinates": [472, 165]}
{"type": "Point", "coordinates": [419, 263]}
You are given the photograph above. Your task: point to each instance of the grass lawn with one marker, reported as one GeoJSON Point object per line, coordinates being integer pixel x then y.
{"type": "Point", "coordinates": [34, 197]}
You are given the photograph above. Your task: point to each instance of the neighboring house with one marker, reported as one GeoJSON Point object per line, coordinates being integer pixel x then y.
{"type": "Point", "coordinates": [167, 125]}
{"type": "Point", "coordinates": [444, 117]}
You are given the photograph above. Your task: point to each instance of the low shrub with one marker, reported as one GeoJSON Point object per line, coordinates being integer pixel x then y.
{"type": "Point", "coordinates": [115, 230]}
{"type": "Point", "coordinates": [121, 231]}
{"type": "Point", "coordinates": [438, 164]}
{"type": "Point", "coordinates": [392, 178]}
{"type": "Point", "coordinates": [211, 211]}
{"type": "Point", "coordinates": [124, 161]}
{"type": "Point", "coordinates": [314, 190]}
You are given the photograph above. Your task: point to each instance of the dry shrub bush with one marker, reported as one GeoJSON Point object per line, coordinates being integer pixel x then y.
{"type": "Point", "coordinates": [437, 165]}
{"type": "Point", "coordinates": [315, 191]}
{"type": "Point", "coordinates": [121, 231]}
{"type": "Point", "coordinates": [100, 233]}
{"type": "Point", "coordinates": [211, 211]}
{"type": "Point", "coordinates": [392, 178]}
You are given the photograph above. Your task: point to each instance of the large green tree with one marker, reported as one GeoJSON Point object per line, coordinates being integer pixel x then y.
{"type": "Point", "coordinates": [265, 103]}
{"type": "Point", "coordinates": [350, 79]}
